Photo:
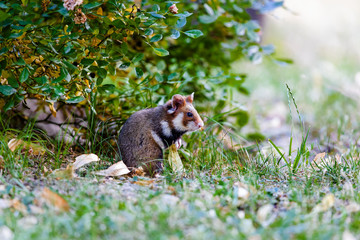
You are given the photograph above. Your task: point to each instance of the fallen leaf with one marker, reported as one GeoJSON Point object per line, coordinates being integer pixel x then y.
{"type": "Point", "coordinates": [19, 206]}
{"type": "Point", "coordinates": [6, 233]}
{"type": "Point", "coordinates": [114, 170]}
{"type": "Point", "coordinates": [352, 207]}
{"type": "Point", "coordinates": [326, 203]}
{"type": "Point", "coordinates": [33, 148]}
{"type": "Point", "coordinates": [14, 144]}
{"type": "Point", "coordinates": [2, 162]}
{"type": "Point", "coordinates": [5, 203]}
{"type": "Point", "coordinates": [84, 159]}
{"type": "Point", "coordinates": [318, 160]}
{"type": "Point", "coordinates": [67, 173]}
{"type": "Point", "coordinates": [175, 160]}
{"type": "Point", "coordinates": [264, 212]}
{"type": "Point", "coordinates": [52, 109]}
{"type": "Point", "coordinates": [347, 235]}
{"type": "Point", "coordinates": [138, 172]}
{"type": "Point", "coordinates": [242, 190]}
{"type": "Point", "coordinates": [55, 200]}
{"type": "Point", "coordinates": [144, 182]}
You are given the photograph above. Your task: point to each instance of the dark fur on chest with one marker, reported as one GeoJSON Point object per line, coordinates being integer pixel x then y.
{"type": "Point", "coordinates": [168, 141]}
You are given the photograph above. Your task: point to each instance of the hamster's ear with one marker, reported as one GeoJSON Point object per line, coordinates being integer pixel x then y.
{"type": "Point", "coordinates": [177, 102]}
{"type": "Point", "coordinates": [190, 98]}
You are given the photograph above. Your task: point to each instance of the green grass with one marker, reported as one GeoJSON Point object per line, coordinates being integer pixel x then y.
{"type": "Point", "coordinates": [228, 194]}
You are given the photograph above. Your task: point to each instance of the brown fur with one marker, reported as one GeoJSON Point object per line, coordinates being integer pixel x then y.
{"type": "Point", "coordinates": [136, 143]}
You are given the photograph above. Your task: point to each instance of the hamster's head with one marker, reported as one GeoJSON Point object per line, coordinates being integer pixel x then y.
{"type": "Point", "coordinates": [184, 116]}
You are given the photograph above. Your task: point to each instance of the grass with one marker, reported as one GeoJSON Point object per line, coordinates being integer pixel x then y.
{"type": "Point", "coordinates": [227, 194]}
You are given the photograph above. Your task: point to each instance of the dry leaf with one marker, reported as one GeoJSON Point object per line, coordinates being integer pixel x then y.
{"type": "Point", "coordinates": [5, 203]}
{"type": "Point", "coordinates": [114, 170]}
{"type": "Point", "coordinates": [264, 212]}
{"type": "Point", "coordinates": [352, 207]}
{"type": "Point", "coordinates": [326, 203]}
{"type": "Point", "coordinates": [2, 162]}
{"type": "Point", "coordinates": [144, 182]}
{"type": "Point", "coordinates": [318, 160]}
{"type": "Point", "coordinates": [67, 173]}
{"type": "Point", "coordinates": [14, 143]}
{"type": "Point", "coordinates": [174, 159]}
{"type": "Point", "coordinates": [6, 233]}
{"type": "Point", "coordinates": [242, 190]}
{"type": "Point", "coordinates": [19, 206]}
{"type": "Point", "coordinates": [33, 148]}
{"type": "Point", "coordinates": [52, 109]}
{"type": "Point", "coordinates": [55, 200]}
{"type": "Point", "coordinates": [138, 172]}
{"type": "Point", "coordinates": [84, 159]}
{"type": "Point", "coordinates": [347, 235]}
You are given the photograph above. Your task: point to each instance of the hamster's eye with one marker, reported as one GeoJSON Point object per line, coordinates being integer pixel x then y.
{"type": "Point", "coordinates": [189, 114]}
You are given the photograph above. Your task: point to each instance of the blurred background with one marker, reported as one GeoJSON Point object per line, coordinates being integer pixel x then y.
{"type": "Point", "coordinates": [322, 39]}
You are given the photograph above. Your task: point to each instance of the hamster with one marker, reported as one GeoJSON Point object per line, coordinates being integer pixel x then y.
{"type": "Point", "coordinates": [147, 133]}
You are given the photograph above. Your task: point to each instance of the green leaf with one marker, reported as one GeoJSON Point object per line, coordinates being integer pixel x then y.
{"type": "Point", "coordinates": [87, 61]}
{"type": "Point", "coordinates": [283, 61]}
{"type": "Point", "coordinates": [175, 34]}
{"type": "Point", "coordinates": [75, 99]}
{"type": "Point", "coordinates": [172, 76]}
{"type": "Point", "coordinates": [12, 82]}
{"type": "Point", "coordinates": [206, 19]}
{"type": "Point", "coordinates": [183, 15]}
{"type": "Point", "coordinates": [161, 52]}
{"type": "Point", "coordinates": [92, 5]}
{"type": "Point", "coordinates": [181, 22]}
{"type": "Point", "coordinates": [24, 75]}
{"type": "Point", "coordinates": [3, 50]}
{"type": "Point", "coordinates": [3, 15]}
{"type": "Point", "coordinates": [7, 90]}
{"type": "Point", "coordinates": [139, 72]}
{"type": "Point", "coordinates": [69, 65]}
{"type": "Point", "coordinates": [156, 7]}
{"type": "Point", "coordinates": [194, 33]}
{"type": "Point", "coordinates": [156, 15]}
{"type": "Point", "coordinates": [20, 62]}
{"type": "Point", "coordinates": [41, 80]}
{"type": "Point", "coordinates": [138, 57]}
{"type": "Point", "coordinates": [2, 5]}
{"type": "Point", "coordinates": [253, 36]}
{"type": "Point", "coordinates": [102, 63]}
{"type": "Point", "coordinates": [149, 31]}
{"type": "Point", "coordinates": [158, 77]}
{"type": "Point", "coordinates": [3, 65]}
{"type": "Point", "coordinates": [156, 38]}
{"type": "Point", "coordinates": [16, 35]}
{"type": "Point", "coordinates": [64, 74]}
{"type": "Point", "coordinates": [9, 104]}
{"type": "Point", "coordinates": [106, 88]}
{"type": "Point", "coordinates": [124, 66]}
{"type": "Point", "coordinates": [99, 81]}
{"type": "Point", "coordinates": [102, 72]}
{"type": "Point", "coordinates": [111, 69]}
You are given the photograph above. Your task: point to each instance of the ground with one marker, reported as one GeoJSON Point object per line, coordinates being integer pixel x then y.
{"type": "Point", "coordinates": [291, 186]}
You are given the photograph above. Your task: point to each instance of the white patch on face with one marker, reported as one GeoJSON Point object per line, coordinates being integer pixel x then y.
{"type": "Point", "coordinates": [192, 126]}
{"type": "Point", "coordinates": [178, 122]}
{"type": "Point", "coordinates": [165, 128]}
{"type": "Point", "coordinates": [158, 140]}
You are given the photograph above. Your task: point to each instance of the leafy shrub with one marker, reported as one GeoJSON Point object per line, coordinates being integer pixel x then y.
{"type": "Point", "coordinates": [117, 57]}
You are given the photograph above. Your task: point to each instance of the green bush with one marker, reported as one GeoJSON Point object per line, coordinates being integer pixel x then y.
{"type": "Point", "coordinates": [117, 57]}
